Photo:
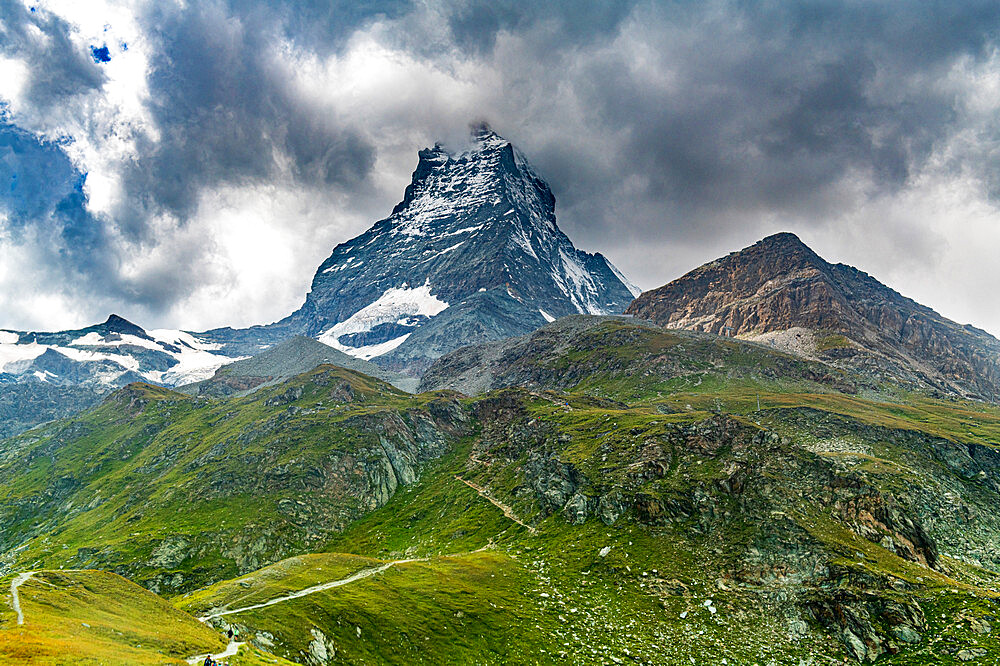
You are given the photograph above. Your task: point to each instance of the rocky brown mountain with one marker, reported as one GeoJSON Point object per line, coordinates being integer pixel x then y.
{"type": "Point", "coordinates": [781, 292]}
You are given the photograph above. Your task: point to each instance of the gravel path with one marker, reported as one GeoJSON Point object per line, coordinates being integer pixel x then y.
{"type": "Point", "coordinates": [230, 650]}
{"type": "Point", "coordinates": [364, 573]}
{"type": "Point", "coordinates": [507, 511]}
{"type": "Point", "coordinates": [15, 600]}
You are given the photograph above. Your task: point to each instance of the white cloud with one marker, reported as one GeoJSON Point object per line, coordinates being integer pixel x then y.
{"type": "Point", "coordinates": [13, 79]}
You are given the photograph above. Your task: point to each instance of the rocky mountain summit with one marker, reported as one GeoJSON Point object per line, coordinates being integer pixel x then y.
{"type": "Point", "coordinates": [472, 253]}
{"type": "Point", "coordinates": [781, 292]}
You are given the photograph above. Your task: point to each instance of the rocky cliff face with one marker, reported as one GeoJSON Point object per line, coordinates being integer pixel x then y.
{"type": "Point", "coordinates": [779, 291]}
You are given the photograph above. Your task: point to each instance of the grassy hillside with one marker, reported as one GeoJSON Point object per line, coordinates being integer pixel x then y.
{"type": "Point", "coordinates": [93, 617]}
{"type": "Point", "coordinates": [465, 608]}
{"type": "Point", "coordinates": [783, 580]}
{"type": "Point", "coordinates": [621, 494]}
{"type": "Point", "coordinates": [174, 491]}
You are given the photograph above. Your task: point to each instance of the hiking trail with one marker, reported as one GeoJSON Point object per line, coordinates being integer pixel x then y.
{"type": "Point", "coordinates": [15, 600]}
{"type": "Point", "coordinates": [230, 650]}
{"type": "Point", "coordinates": [364, 573]}
{"type": "Point", "coordinates": [507, 511]}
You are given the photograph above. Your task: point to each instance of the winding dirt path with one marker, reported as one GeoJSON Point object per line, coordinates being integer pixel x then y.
{"type": "Point", "coordinates": [230, 650]}
{"type": "Point", "coordinates": [507, 511]}
{"type": "Point", "coordinates": [15, 600]}
{"type": "Point", "coordinates": [364, 573]}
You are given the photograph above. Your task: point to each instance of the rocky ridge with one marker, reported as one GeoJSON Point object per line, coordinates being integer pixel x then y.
{"type": "Point", "coordinates": [783, 293]}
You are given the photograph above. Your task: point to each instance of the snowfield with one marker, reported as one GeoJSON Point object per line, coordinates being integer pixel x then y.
{"type": "Point", "coordinates": [195, 359]}
{"type": "Point", "coordinates": [395, 305]}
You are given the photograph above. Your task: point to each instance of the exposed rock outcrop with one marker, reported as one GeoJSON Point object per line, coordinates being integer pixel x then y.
{"type": "Point", "coordinates": [780, 285]}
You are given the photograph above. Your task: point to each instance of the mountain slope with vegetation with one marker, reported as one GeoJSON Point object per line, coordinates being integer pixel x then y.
{"type": "Point", "coordinates": [614, 492]}
{"type": "Point", "coordinates": [173, 491]}
{"type": "Point", "coordinates": [94, 617]}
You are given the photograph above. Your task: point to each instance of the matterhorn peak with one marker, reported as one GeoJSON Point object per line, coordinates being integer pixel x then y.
{"type": "Point", "coordinates": [486, 137]}
{"type": "Point", "coordinates": [471, 253]}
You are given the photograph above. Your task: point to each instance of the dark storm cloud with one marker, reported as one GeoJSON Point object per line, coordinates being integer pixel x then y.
{"type": "Point", "coordinates": [475, 25]}
{"type": "Point", "coordinates": [226, 113]}
{"type": "Point", "coordinates": [61, 70]}
{"type": "Point", "coordinates": [322, 25]}
{"type": "Point", "coordinates": [225, 110]}
{"type": "Point", "coordinates": [770, 106]}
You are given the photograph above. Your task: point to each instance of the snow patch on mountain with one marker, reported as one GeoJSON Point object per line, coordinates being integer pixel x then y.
{"type": "Point", "coordinates": [581, 287]}
{"type": "Point", "coordinates": [192, 366]}
{"type": "Point", "coordinates": [94, 339]}
{"type": "Point", "coordinates": [368, 352]}
{"type": "Point", "coordinates": [521, 238]}
{"type": "Point", "coordinates": [396, 305]}
{"type": "Point", "coordinates": [17, 358]}
{"type": "Point", "coordinates": [9, 338]}
{"type": "Point", "coordinates": [12, 354]}
{"type": "Point", "coordinates": [463, 230]}
{"type": "Point", "coordinates": [86, 355]}
{"type": "Point", "coordinates": [195, 358]}
{"type": "Point", "coordinates": [183, 339]}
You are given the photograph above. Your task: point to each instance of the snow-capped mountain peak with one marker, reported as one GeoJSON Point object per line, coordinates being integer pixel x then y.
{"type": "Point", "coordinates": [107, 355]}
{"type": "Point", "coordinates": [446, 186]}
{"type": "Point", "coordinates": [473, 221]}
{"type": "Point", "coordinates": [471, 254]}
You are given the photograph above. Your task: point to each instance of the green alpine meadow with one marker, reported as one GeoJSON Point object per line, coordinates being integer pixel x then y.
{"type": "Point", "coordinates": [615, 492]}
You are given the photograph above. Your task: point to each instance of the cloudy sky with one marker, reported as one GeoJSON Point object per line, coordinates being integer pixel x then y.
{"type": "Point", "coordinates": [189, 164]}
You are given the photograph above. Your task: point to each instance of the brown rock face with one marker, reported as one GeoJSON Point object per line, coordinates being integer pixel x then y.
{"type": "Point", "coordinates": [779, 284]}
